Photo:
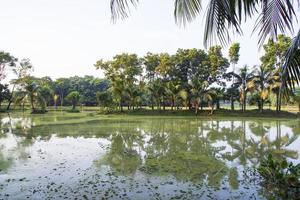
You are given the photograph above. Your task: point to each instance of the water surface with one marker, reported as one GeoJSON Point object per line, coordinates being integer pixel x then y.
{"type": "Point", "coordinates": [69, 156]}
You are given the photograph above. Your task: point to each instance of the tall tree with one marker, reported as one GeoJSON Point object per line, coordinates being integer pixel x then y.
{"type": "Point", "coordinates": [21, 70]}
{"type": "Point", "coordinates": [151, 62]}
{"type": "Point", "coordinates": [74, 98]}
{"type": "Point", "coordinates": [123, 72]}
{"type": "Point", "coordinates": [242, 78]}
{"type": "Point", "coordinates": [233, 58]}
{"type": "Point", "coordinates": [261, 81]}
{"type": "Point", "coordinates": [273, 60]}
{"type": "Point", "coordinates": [5, 60]}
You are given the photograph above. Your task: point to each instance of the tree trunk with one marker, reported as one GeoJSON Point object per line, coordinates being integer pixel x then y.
{"type": "Point", "coordinates": [212, 108]}
{"type": "Point", "coordinates": [10, 98]}
{"type": "Point", "coordinates": [152, 103]}
{"type": "Point", "coordinates": [261, 105]}
{"type": "Point", "coordinates": [218, 104]}
{"type": "Point", "coordinates": [32, 104]}
{"type": "Point", "coordinates": [232, 102]}
{"type": "Point", "coordinates": [245, 103]}
{"type": "Point", "coordinates": [61, 100]}
{"type": "Point", "coordinates": [121, 106]}
{"type": "Point", "coordinates": [277, 102]}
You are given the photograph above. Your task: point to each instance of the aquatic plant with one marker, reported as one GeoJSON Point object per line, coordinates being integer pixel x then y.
{"type": "Point", "coordinates": [280, 178]}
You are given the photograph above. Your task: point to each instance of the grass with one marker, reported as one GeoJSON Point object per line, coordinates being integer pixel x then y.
{"type": "Point", "coordinates": [288, 112]}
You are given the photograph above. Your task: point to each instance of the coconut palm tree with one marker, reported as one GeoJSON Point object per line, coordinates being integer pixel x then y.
{"type": "Point", "coordinates": [261, 82]}
{"type": "Point", "coordinates": [202, 93]}
{"type": "Point", "coordinates": [172, 90]}
{"type": "Point", "coordinates": [242, 80]}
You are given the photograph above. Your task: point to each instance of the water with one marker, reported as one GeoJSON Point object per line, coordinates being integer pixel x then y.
{"type": "Point", "coordinates": [57, 156]}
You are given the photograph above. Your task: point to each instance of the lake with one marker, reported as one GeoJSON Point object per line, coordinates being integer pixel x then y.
{"type": "Point", "coordinates": [85, 156]}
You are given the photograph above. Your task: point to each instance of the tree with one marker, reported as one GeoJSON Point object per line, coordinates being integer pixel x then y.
{"type": "Point", "coordinates": [273, 17]}
{"type": "Point", "coordinates": [122, 72]}
{"type": "Point", "coordinates": [44, 96]}
{"type": "Point", "coordinates": [30, 86]}
{"type": "Point", "coordinates": [55, 99]}
{"type": "Point", "coordinates": [21, 70]}
{"type": "Point", "coordinates": [62, 87]}
{"type": "Point", "coordinates": [242, 80]}
{"type": "Point", "coordinates": [151, 61]}
{"type": "Point", "coordinates": [103, 98]}
{"type": "Point", "coordinates": [273, 59]}
{"type": "Point", "coordinates": [5, 60]}
{"type": "Point", "coordinates": [261, 82]}
{"type": "Point", "coordinates": [4, 93]}
{"type": "Point", "coordinates": [172, 90]}
{"type": "Point", "coordinates": [233, 58]}
{"type": "Point", "coordinates": [74, 98]}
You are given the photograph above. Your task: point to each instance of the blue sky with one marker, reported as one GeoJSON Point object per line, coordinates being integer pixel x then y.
{"type": "Point", "coordinates": [66, 37]}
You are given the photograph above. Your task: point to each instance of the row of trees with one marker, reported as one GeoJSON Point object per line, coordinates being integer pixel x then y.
{"type": "Point", "coordinates": [191, 78]}
{"type": "Point", "coordinates": [195, 78]}
{"type": "Point", "coordinates": [41, 92]}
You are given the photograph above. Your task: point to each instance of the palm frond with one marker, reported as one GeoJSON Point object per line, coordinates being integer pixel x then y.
{"type": "Point", "coordinates": [186, 10]}
{"type": "Point", "coordinates": [120, 9]}
{"type": "Point", "coordinates": [219, 18]}
{"type": "Point", "coordinates": [291, 66]}
{"type": "Point", "coordinates": [276, 15]}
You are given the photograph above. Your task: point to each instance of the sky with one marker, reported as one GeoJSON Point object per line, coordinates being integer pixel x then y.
{"type": "Point", "coordinates": [64, 38]}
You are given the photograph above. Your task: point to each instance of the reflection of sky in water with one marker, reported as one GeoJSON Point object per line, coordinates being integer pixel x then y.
{"type": "Point", "coordinates": [121, 160]}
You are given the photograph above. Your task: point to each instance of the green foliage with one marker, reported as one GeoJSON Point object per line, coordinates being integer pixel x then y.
{"type": "Point", "coordinates": [234, 53]}
{"type": "Point", "coordinates": [74, 98]}
{"type": "Point", "coordinates": [5, 60]}
{"type": "Point", "coordinates": [104, 98]}
{"type": "Point", "coordinates": [4, 93]}
{"type": "Point", "coordinates": [280, 178]}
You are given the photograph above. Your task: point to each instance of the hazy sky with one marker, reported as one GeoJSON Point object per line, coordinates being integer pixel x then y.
{"type": "Point", "coordinates": [66, 37]}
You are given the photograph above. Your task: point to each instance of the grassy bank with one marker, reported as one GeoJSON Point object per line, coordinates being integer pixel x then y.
{"type": "Point", "coordinates": [221, 113]}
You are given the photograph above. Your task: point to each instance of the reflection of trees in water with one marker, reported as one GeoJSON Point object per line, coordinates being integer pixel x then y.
{"type": "Point", "coordinates": [14, 131]}
{"type": "Point", "coordinates": [124, 155]}
{"type": "Point", "coordinates": [188, 149]}
{"type": "Point", "coordinates": [264, 145]}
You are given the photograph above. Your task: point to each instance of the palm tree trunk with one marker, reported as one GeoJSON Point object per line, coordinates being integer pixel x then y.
{"type": "Point", "coordinates": [261, 105]}
{"type": "Point", "coordinates": [152, 102]}
{"type": "Point", "coordinates": [244, 101]}
{"type": "Point", "coordinates": [277, 102]}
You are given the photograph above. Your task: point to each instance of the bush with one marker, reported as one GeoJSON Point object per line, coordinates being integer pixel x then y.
{"type": "Point", "coordinates": [280, 178]}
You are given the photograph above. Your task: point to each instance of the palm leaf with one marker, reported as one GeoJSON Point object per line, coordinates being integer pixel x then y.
{"type": "Point", "coordinates": [186, 10]}
{"type": "Point", "coordinates": [290, 69]}
{"type": "Point", "coordinates": [120, 9]}
{"type": "Point", "coordinates": [276, 15]}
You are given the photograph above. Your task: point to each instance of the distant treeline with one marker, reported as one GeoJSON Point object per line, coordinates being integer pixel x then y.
{"type": "Point", "coordinates": [190, 78]}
